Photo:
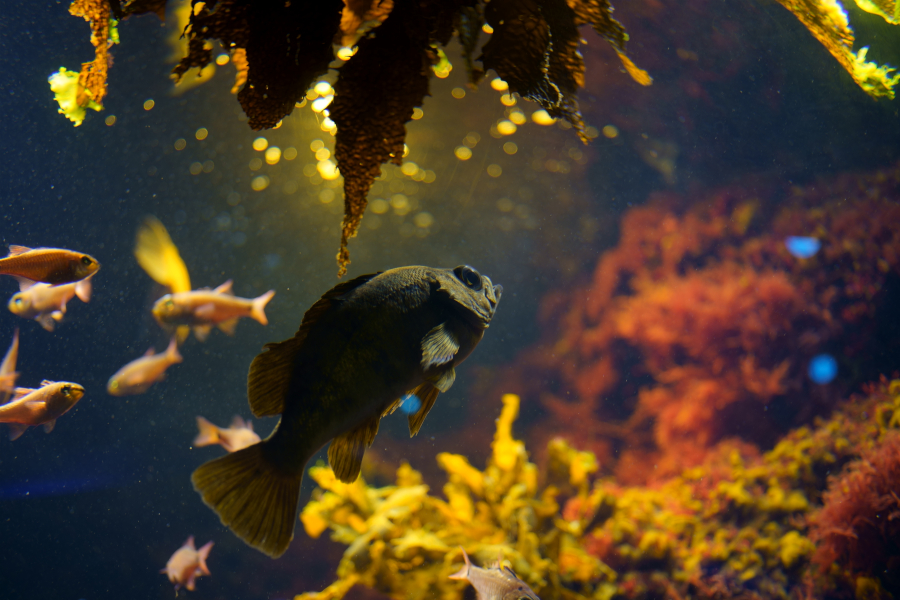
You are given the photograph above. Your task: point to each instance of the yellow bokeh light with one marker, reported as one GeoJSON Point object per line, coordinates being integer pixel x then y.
{"type": "Point", "coordinates": [110, 120]}
{"type": "Point", "coordinates": [518, 117]}
{"type": "Point", "coordinates": [222, 59]}
{"type": "Point", "coordinates": [259, 183]}
{"type": "Point", "coordinates": [323, 88]}
{"type": "Point", "coordinates": [487, 29]}
{"type": "Point", "coordinates": [290, 153]}
{"type": "Point", "coordinates": [499, 85]}
{"type": "Point", "coordinates": [510, 148]}
{"type": "Point", "coordinates": [505, 204]}
{"type": "Point", "coordinates": [591, 132]}
{"type": "Point", "coordinates": [508, 100]}
{"type": "Point", "coordinates": [494, 170]}
{"type": "Point", "coordinates": [542, 117]}
{"type": "Point", "coordinates": [316, 145]}
{"type": "Point", "coordinates": [180, 144]}
{"type": "Point", "coordinates": [423, 220]}
{"type": "Point", "coordinates": [202, 133]}
{"type": "Point", "coordinates": [328, 125]}
{"type": "Point", "coordinates": [346, 53]}
{"type": "Point", "coordinates": [255, 164]}
{"type": "Point", "coordinates": [611, 131]}
{"type": "Point", "coordinates": [429, 176]}
{"type": "Point", "coordinates": [379, 206]}
{"type": "Point", "coordinates": [326, 196]}
{"type": "Point", "coordinates": [462, 153]}
{"type": "Point", "coordinates": [196, 168]}
{"type": "Point", "coordinates": [400, 204]}
{"type": "Point", "coordinates": [260, 144]}
{"type": "Point", "coordinates": [458, 93]}
{"type": "Point", "coordinates": [149, 104]}
{"type": "Point", "coordinates": [418, 113]}
{"type": "Point", "coordinates": [328, 170]}
{"type": "Point", "coordinates": [506, 127]}
{"type": "Point", "coordinates": [409, 169]}
{"type": "Point", "coordinates": [405, 150]}
{"type": "Point", "coordinates": [323, 154]}
{"type": "Point", "coordinates": [273, 155]}
{"type": "Point", "coordinates": [320, 104]}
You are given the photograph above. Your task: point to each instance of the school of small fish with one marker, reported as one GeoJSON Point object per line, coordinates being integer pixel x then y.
{"type": "Point", "coordinates": [364, 349]}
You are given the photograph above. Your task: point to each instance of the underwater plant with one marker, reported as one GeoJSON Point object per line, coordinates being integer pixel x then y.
{"type": "Point", "coordinates": [735, 526]}
{"type": "Point", "coordinates": [701, 315]}
{"type": "Point", "coordinates": [283, 48]}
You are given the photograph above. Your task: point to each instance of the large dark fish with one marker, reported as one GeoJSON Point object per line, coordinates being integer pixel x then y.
{"type": "Point", "coordinates": [361, 348]}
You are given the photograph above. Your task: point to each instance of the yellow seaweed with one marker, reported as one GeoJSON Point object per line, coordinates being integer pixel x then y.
{"type": "Point", "coordinates": [66, 91]}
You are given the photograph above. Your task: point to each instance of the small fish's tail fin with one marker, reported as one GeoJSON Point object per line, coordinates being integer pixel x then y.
{"type": "Point", "coordinates": [464, 572]}
{"type": "Point", "coordinates": [252, 497]}
{"type": "Point", "coordinates": [209, 433]}
{"type": "Point", "coordinates": [84, 288]}
{"type": "Point", "coordinates": [257, 309]}
{"type": "Point", "coordinates": [202, 555]}
{"type": "Point", "coordinates": [172, 351]}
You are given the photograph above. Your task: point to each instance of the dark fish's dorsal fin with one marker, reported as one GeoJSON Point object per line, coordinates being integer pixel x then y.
{"type": "Point", "coordinates": [439, 346]}
{"type": "Point", "coordinates": [427, 393]}
{"type": "Point", "coordinates": [15, 250]}
{"type": "Point", "coordinates": [237, 422]}
{"type": "Point", "coordinates": [49, 425]}
{"type": "Point", "coordinates": [346, 451]}
{"type": "Point", "coordinates": [46, 382]}
{"type": "Point", "coordinates": [271, 371]}
{"type": "Point", "coordinates": [150, 351]}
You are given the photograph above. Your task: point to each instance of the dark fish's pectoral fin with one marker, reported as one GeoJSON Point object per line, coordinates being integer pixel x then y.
{"type": "Point", "coordinates": [346, 451]}
{"type": "Point", "coordinates": [253, 498]}
{"type": "Point", "coordinates": [427, 393]}
{"type": "Point", "coordinates": [270, 377]}
{"type": "Point", "coordinates": [443, 380]}
{"type": "Point", "coordinates": [439, 346]}
{"type": "Point", "coordinates": [49, 425]}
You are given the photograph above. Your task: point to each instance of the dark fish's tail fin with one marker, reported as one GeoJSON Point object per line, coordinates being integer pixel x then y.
{"type": "Point", "coordinates": [252, 498]}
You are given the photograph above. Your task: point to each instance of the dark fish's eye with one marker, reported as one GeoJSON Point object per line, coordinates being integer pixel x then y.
{"type": "Point", "coordinates": [66, 390]}
{"type": "Point", "coordinates": [468, 276]}
{"type": "Point", "coordinates": [86, 260]}
{"type": "Point", "coordinates": [170, 303]}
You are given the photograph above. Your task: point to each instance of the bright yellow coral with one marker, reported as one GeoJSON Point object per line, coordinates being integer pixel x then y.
{"type": "Point", "coordinates": [65, 87]}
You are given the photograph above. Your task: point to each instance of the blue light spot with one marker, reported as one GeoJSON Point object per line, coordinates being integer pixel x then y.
{"type": "Point", "coordinates": [802, 247]}
{"type": "Point", "coordinates": [411, 404]}
{"type": "Point", "coordinates": [822, 368]}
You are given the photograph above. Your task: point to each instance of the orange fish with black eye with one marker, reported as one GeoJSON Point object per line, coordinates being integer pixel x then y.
{"type": "Point", "coordinates": [187, 564]}
{"type": "Point", "coordinates": [41, 406]}
{"type": "Point", "coordinates": [137, 376]}
{"type": "Point", "coordinates": [204, 309]}
{"type": "Point", "coordinates": [55, 266]}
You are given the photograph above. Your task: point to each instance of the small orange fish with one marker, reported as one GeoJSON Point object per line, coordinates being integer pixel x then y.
{"type": "Point", "coordinates": [204, 309]}
{"type": "Point", "coordinates": [137, 376]}
{"type": "Point", "coordinates": [496, 583]}
{"type": "Point", "coordinates": [187, 564]}
{"type": "Point", "coordinates": [46, 303]}
{"type": "Point", "coordinates": [8, 373]}
{"type": "Point", "coordinates": [41, 406]}
{"type": "Point", "coordinates": [48, 265]}
{"type": "Point", "coordinates": [237, 437]}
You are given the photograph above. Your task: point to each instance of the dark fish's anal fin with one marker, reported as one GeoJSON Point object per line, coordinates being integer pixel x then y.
{"type": "Point", "coordinates": [346, 451]}
{"type": "Point", "coordinates": [427, 393]}
{"type": "Point", "coordinates": [439, 346]}
{"type": "Point", "coordinates": [253, 498]}
{"type": "Point", "coordinates": [228, 326]}
{"type": "Point", "coordinates": [272, 369]}
{"type": "Point", "coordinates": [49, 425]}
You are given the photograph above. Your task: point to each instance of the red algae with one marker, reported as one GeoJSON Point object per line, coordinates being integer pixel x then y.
{"type": "Point", "coordinates": [858, 528]}
{"type": "Point", "coordinates": [699, 325]}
